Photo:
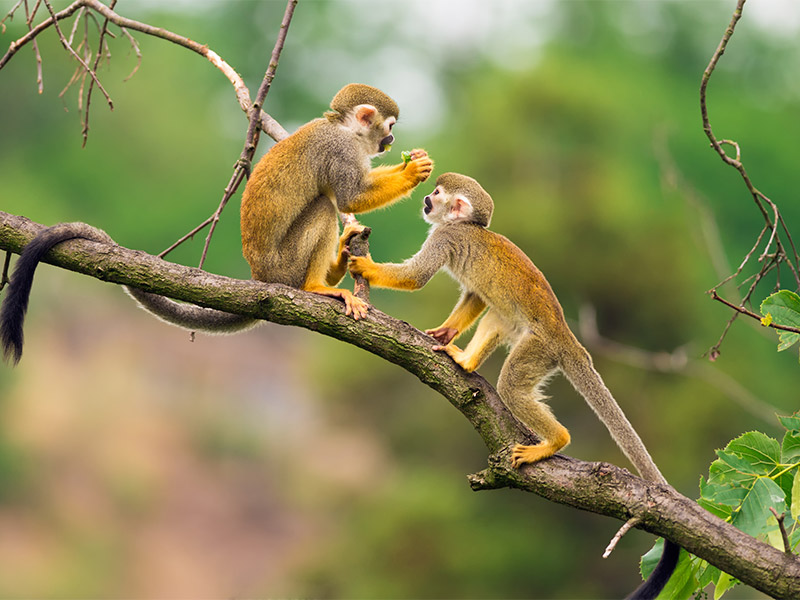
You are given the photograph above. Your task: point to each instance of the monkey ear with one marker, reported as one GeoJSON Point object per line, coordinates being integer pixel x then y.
{"type": "Point", "coordinates": [365, 113]}
{"type": "Point", "coordinates": [460, 209]}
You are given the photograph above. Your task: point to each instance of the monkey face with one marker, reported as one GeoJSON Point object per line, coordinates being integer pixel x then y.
{"type": "Point", "coordinates": [435, 206]}
{"type": "Point", "coordinates": [388, 139]}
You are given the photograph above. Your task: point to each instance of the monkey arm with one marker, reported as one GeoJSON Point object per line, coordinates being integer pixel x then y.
{"type": "Point", "coordinates": [468, 308]}
{"type": "Point", "coordinates": [386, 184]}
{"type": "Point", "coordinates": [409, 275]}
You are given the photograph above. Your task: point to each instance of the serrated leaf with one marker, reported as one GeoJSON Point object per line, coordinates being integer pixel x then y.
{"type": "Point", "coordinates": [751, 517]}
{"type": "Point", "coordinates": [762, 451]}
{"type": "Point", "coordinates": [796, 496]}
{"type": "Point", "coordinates": [791, 423]}
{"type": "Point", "coordinates": [787, 339]}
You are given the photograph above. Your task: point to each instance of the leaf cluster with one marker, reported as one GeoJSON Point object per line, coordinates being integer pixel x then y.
{"type": "Point", "coordinates": [754, 478]}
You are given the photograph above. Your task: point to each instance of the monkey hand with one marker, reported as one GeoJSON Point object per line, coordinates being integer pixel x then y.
{"type": "Point", "coordinates": [443, 335]}
{"type": "Point", "coordinates": [362, 265]}
{"type": "Point", "coordinates": [420, 167]}
{"type": "Point", "coordinates": [350, 231]}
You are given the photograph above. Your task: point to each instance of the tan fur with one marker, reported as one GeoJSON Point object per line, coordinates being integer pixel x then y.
{"type": "Point", "coordinates": [523, 312]}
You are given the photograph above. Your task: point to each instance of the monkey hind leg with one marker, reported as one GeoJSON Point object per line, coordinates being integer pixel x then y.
{"type": "Point", "coordinates": [525, 372]}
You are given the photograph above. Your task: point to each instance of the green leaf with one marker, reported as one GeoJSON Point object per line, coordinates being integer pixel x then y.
{"type": "Point", "coordinates": [754, 511]}
{"type": "Point", "coordinates": [791, 423]}
{"type": "Point", "coordinates": [737, 463]}
{"type": "Point", "coordinates": [724, 583]}
{"type": "Point", "coordinates": [790, 449]}
{"type": "Point", "coordinates": [784, 309]}
{"type": "Point", "coordinates": [762, 451]}
{"type": "Point", "coordinates": [796, 496]}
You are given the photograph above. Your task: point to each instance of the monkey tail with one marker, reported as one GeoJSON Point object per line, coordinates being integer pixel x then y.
{"type": "Point", "coordinates": [189, 316]}
{"type": "Point", "coordinates": [653, 585]}
{"type": "Point", "coordinates": [15, 303]}
{"type": "Point", "coordinates": [577, 366]}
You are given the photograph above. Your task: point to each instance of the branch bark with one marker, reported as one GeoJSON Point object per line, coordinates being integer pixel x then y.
{"type": "Point", "coordinates": [597, 487]}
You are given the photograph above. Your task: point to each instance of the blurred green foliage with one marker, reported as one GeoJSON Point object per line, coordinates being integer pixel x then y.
{"type": "Point", "coordinates": [345, 477]}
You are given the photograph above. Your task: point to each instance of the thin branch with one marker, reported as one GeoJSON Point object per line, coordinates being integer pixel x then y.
{"type": "Point", "coordinates": [750, 313]}
{"type": "Point", "coordinates": [787, 546]}
{"type": "Point", "coordinates": [98, 58]}
{"type": "Point", "coordinates": [254, 127]}
{"type": "Point", "coordinates": [597, 487]}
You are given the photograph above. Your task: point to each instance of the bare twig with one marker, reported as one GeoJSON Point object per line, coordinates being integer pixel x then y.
{"type": "Point", "coordinates": [626, 527]}
{"type": "Point", "coordinates": [98, 58]}
{"type": "Point", "coordinates": [787, 546]}
{"type": "Point", "coordinates": [254, 127]}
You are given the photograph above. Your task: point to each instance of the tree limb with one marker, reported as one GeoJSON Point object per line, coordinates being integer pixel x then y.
{"type": "Point", "coordinates": [601, 488]}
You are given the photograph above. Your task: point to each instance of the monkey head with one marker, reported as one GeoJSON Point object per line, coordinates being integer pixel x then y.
{"type": "Point", "coordinates": [368, 112]}
{"type": "Point", "coordinates": [458, 198]}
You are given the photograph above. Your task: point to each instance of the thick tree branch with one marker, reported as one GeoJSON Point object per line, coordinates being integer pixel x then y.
{"type": "Point", "coordinates": [597, 487]}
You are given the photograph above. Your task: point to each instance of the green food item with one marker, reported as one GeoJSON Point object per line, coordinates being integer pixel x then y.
{"type": "Point", "coordinates": [406, 156]}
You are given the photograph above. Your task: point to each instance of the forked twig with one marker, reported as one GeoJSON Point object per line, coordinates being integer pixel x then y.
{"type": "Point", "coordinates": [774, 222]}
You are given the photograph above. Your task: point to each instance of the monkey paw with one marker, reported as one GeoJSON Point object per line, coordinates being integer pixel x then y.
{"type": "Point", "coordinates": [420, 167]}
{"type": "Point", "coordinates": [443, 335]}
{"type": "Point", "coordinates": [521, 455]}
{"type": "Point", "coordinates": [360, 265]}
{"type": "Point", "coordinates": [350, 231]}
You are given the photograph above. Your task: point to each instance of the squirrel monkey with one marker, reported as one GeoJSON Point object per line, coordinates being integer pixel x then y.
{"type": "Point", "coordinates": [288, 216]}
{"type": "Point", "coordinates": [524, 313]}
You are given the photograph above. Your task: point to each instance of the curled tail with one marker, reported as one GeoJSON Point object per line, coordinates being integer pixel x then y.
{"type": "Point", "coordinates": [15, 302]}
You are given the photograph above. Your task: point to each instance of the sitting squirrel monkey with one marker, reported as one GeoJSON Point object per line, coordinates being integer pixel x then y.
{"type": "Point", "coordinates": [290, 205]}
{"type": "Point", "coordinates": [524, 313]}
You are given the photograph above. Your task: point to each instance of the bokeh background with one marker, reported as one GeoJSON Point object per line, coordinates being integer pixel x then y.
{"type": "Point", "coordinates": [280, 463]}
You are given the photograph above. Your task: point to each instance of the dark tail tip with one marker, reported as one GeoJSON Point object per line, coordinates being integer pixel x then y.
{"type": "Point", "coordinates": [660, 576]}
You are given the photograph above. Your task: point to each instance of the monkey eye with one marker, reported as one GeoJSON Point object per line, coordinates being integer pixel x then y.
{"type": "Point", "coordinates": [436, 191]}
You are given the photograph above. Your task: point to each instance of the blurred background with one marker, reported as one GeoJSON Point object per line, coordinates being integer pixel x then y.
{"type": "Point", "coordinates": [135, 463]}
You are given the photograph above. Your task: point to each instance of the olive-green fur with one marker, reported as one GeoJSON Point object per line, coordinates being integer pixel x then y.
{"type": "Point", "coordinates": [354, 94]}
{"type": "Point", "coordinates": [482, 204]}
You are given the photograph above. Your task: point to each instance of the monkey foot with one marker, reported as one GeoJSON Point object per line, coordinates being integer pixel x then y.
{"type": "Point", "coordinates": [352, 305]}
{"type": "Point", "coordinates": [521, 455]}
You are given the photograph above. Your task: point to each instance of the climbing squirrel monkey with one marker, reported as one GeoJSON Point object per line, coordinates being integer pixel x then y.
{"type": "Point", "coordinates": [289, 214]}
{"type": "Point", "coordinates": [522, 312]}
